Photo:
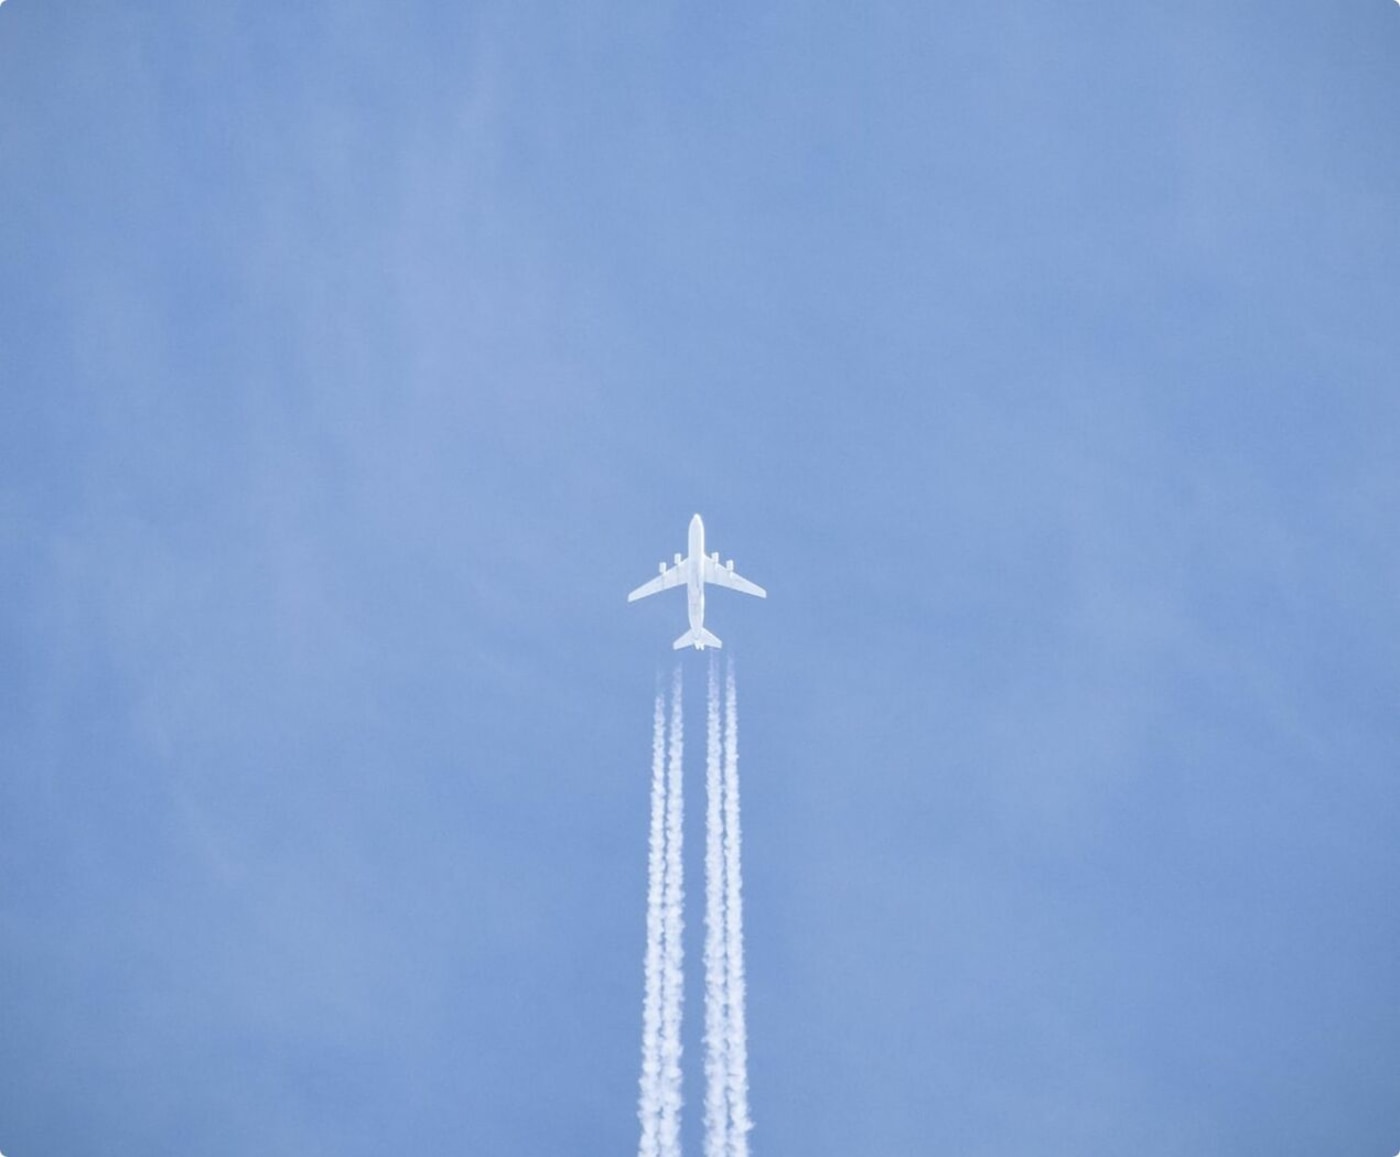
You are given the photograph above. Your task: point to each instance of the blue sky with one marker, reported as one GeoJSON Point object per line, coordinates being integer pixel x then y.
{"type": "Point", "coordinates": [1041, 360]}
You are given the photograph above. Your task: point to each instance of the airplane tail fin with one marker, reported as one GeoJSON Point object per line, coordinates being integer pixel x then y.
{"type": "Point", "coordinates": [699, 638]}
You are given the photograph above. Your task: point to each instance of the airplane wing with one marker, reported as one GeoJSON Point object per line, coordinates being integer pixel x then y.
{"type": "Point", "coordinates": [672, 576]}
{"type": "Point", "coordinates": [724, 576]}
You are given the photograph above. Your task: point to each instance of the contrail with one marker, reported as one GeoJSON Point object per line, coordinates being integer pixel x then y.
{"type": "Point", "coordinates": [649, 1101]}
{"type": "Point", "coordinates": [738, 1048]}
{"type": "Point", "coordinates": [716, 986]}
{"type": "Point", "coordinates": [673, 955]}
{"type": "Point", "coordinates": [727, 1122]}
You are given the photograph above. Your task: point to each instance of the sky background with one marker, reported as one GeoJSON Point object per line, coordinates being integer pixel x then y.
{"type": "Point", "coordinates": [1043, 362]}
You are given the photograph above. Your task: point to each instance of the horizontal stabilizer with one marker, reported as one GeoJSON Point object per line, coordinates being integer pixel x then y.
{"type": "Point", "coordinates": [698, 638]}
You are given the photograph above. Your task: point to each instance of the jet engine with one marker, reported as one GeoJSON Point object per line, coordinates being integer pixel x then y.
{"type": "Point", "coordinates": [678, 558]}
{"type": "Point", "coordinates": [729, 566]}
{"type": "Point", "coordinates": [661, 567]}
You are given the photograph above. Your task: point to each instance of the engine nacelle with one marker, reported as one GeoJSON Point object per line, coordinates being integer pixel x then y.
{"type": "Point", "coordinates": [729, 566]}
{"type": "Point", "coordinates": [715, 556]}
{"type": "Point", "coordinates": [661, 567]}
{"type": "Point", "coordinates": [678, 558]}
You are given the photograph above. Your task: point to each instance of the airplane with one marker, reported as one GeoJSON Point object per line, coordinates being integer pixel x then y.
{"type": "Point", "coordinates": [695, 571]}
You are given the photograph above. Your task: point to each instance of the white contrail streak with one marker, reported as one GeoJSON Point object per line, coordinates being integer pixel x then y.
{"type": "Point", "coordinates": [673, 926]}
{"type": "Point", "coordinates": [727, 1122]}
{"type": "Point", "coordinates": [716, 987]}
{"type": "Point", "coordinates": [649, 1101]}
{"type": "Point", "coordinates": [738, 1048]}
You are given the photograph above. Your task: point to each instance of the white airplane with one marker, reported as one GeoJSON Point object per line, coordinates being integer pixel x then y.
{"type": "Point", "coordinates": [695, 571]}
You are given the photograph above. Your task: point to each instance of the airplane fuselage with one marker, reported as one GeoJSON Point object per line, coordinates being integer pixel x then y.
{"type": "Point", "coordinates": [695, 585]}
